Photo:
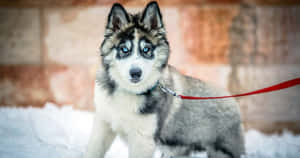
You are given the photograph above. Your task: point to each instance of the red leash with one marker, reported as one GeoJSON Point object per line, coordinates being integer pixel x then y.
{"type": "Point", "coordinates": [276, 87]}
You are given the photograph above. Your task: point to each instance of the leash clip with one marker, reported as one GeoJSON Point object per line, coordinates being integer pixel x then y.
{"type": "Point", "coordinates": [167, 90]}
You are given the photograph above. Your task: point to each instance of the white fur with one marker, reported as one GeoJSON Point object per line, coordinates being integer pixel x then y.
{"type": "Point", "coordinates": [100, 140]}
{"type": "Point", "coordinates": [118, 114]}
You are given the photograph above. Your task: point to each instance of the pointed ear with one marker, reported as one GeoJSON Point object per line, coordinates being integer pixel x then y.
{"type": "Point", "coordinates": [117, 17]}
{"type": "Point", "coordinates": [151, 16]}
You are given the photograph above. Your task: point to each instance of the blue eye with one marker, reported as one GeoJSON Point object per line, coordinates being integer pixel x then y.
{"type": "Point", "coordinates": [145, 49]}
{"type": "Point", "coordinates": [124, 49]}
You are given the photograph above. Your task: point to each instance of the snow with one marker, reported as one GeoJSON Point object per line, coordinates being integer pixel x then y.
{"type": "Point", "coordinates": [54, 132]}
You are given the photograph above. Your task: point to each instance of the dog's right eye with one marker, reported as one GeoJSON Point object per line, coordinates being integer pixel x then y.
{"type": "Point", "coordinates": [125, 50]}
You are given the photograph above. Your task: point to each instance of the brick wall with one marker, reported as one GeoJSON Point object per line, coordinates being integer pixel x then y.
{"type": "Point", "coordinates": [49, 51]}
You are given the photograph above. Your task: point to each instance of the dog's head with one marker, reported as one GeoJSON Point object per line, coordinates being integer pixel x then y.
{"type": "Point", "coordinates": [135, 49]}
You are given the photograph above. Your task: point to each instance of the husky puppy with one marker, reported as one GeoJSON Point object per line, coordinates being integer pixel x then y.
{"type": "Point", "coordinates": [130, 102]}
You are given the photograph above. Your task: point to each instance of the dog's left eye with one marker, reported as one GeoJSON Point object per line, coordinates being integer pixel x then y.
{"type": "Point", "coordinates": [147, 52]}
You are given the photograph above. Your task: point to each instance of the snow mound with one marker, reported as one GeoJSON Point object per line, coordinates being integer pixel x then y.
{"type": "Point", "coordinates": [54, 132]}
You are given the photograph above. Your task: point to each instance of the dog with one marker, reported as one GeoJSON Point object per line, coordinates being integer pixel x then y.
{"type": "Point", "coordinates": [132, 102]}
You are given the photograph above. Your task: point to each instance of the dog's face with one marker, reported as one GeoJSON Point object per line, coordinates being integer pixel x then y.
{"type": "Point", "coordinates": [135, 49]}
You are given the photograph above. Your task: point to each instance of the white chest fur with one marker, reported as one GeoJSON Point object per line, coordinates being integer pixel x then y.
{"type": "Point", "coordinates": [120, 110]}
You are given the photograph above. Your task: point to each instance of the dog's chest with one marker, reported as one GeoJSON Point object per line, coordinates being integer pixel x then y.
{"type": "Point", "coordinates": [121, 111]}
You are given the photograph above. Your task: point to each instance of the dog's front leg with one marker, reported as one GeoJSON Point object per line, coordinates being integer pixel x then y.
{"type": "Point", "coordinates": [141, 147]}
{"type": "Point", "coordinates": [100, 139]}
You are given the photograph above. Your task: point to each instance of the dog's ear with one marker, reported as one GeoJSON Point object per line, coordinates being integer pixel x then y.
{"type": "Point", "coordinates": [151, 16]}
{"type": "Point", "coordinates": [117, 17]}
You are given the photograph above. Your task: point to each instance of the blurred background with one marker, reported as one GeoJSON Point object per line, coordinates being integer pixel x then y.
{"type": "Point", "coordinates": [49, 51]}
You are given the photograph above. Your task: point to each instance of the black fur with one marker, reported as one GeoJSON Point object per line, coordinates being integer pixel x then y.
{"type": "Point", "coordinates": [175, 142]}
{"type": "Point", "coordinates": [127, 34]}
{"type": "Point", "coordinates": [136, 24]}
{"type": "Point", "coordinates": [219, 147]}
{"type": "Point", "coordinates": [150, 105]}
{"type": "Point", "coordinates": [107, 83]}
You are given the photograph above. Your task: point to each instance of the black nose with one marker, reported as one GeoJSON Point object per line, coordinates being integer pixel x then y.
{"type": "Point", "coordinates": [135, 73]}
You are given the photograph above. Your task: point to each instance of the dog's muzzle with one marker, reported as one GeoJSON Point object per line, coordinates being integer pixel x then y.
{"type": "Point", "coordinates": [135, 74]}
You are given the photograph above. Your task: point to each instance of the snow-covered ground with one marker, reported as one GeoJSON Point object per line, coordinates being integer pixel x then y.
{"type": "Point", "coordinates": [54, 132]}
